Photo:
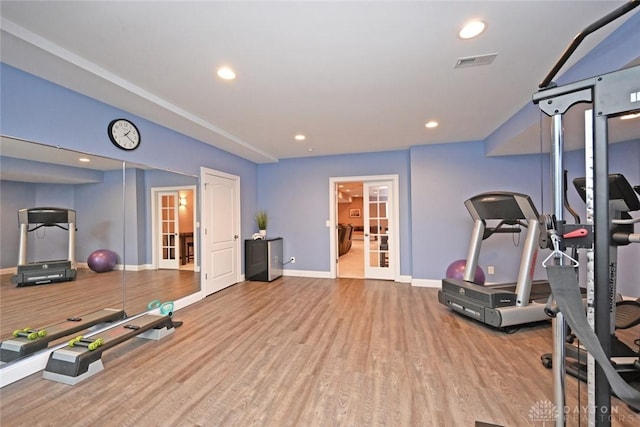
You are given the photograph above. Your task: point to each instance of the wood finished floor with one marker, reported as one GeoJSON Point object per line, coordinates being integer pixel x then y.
{"type": "Point", "coordinates": [43, 305]}
{"type": "Point", "coordinates": [310, 352]}
{"type": "Point", "coordinates": [351, 264]}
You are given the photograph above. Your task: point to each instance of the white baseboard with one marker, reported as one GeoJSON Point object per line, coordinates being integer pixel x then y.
{"type": "Point", "coordinates": [119, 267]}
{"type": "Point", "coordinates": [129, 267]}
{"type": "Point", "coordinates": [307, 273]}
{"type": "Point", "coordinates": [188, 300]}
{"type": "Point", "coordinates": [141, 267]}
{"type": "Point", "coordinates": [327, 275]}
{"type": "Point", "coordinates": [426, 283]}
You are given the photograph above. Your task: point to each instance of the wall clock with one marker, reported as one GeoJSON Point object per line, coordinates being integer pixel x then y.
{"type": "Point", "coordinates": [124, 134]}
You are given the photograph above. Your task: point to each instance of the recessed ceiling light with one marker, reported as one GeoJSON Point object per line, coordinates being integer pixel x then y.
{"type": "Point", "coordinates": [431, 124]}
{"type": "Point", "coordinates": [84, 160]}
{"type": "Point", "coordinates": [630, 116]}
{"type": "Point", "coordinates": [299, 137]}
{"type": "Point", "coordinates": [472, 29]}
{"type": "Point", "coordinates": [226, 73]}
{"type": "Point", "coordinates": [310, 150]}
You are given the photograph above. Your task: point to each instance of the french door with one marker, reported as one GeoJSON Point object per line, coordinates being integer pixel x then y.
{"type": "Point", "coordinates": [377, 206]}
{"type": "Point", "coordinates": [168, 250]}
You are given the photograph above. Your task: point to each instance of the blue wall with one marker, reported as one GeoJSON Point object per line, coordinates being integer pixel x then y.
{"type": "Point", "coordinates": [36, 110]}
{"type": "Point", "coordinates": [13, 197]}
{"type": "Point", "coordinates": [434, 182]}
{"type": "Point", "coordinates": [443, 177]}
{"type": "Point", "coordinates": [296, 194]}
{"type": "Point", "coordinates": [99, 218]}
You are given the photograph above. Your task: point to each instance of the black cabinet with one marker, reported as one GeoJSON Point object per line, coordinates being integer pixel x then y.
{"type": "Point", "coordinates": [263, 259]}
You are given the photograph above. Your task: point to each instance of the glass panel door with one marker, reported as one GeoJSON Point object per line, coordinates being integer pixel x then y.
{"type": "Point", "coordinates": [377, 199]}
{"type": "Point", "coordinates": [169, 249]}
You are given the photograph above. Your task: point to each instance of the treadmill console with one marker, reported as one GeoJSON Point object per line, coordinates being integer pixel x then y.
{"type": "Point", "coordinates": [620, 192]}
{"type": "Point", "coordinates": [501, 205]}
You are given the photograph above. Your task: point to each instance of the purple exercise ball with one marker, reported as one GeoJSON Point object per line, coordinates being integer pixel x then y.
{"type": "Point", "coordinates": [456, 271]}
{"type": "Point", "coordinates": [102, 260]}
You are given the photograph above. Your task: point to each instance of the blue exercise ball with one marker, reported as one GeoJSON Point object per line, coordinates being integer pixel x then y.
{"type": "Point", "coordinates": [102, 260]}
{"type": "Point", "coordinates": [456, 271]}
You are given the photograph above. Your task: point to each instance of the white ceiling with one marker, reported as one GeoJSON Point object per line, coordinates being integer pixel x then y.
{"type": "Point", "coordinates": [352, 76]}
{"type": "Point", "coordinates": [17, 149]}
{"type": "Point", "coordinates": [353, 189]}
{"type": "Point", "coordinates": [73, 167]}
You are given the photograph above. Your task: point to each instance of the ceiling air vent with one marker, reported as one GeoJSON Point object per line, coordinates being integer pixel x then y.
{"type": "Point", "coordinates": [474, 61]}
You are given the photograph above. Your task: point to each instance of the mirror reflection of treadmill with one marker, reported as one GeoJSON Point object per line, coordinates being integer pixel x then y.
{"type": "Point", "coordinates": [507, 304]}
{"type": "Point", "coordinates": [44, 272]}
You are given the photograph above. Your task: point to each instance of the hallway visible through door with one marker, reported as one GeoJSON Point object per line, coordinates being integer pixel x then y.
{"type": "Point", "coordinates": [173, 228]}
{"type": "Point", "coordinates": [350, 229]}
{"type": "Point", "coordinates": [364, 222]}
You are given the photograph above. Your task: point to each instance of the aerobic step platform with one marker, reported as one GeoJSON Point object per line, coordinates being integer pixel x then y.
{"type": "Point", "coordinates": [29, 340]}
{"type": "Point", "coordinates": [81, 358]}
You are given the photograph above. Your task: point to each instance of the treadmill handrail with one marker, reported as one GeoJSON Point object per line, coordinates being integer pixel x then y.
{"type": "Point", "coordinates": [502, 228]}
{"type": "Point", "coordinates": [47, 225]}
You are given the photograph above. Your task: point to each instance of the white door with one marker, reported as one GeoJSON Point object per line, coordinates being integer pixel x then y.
{"type": "Point", "coordinates": [168, 244]}
{"type": "Point", "coordinates": [378, 256]}
{"type": "Point", "coordinates": [220, 231]}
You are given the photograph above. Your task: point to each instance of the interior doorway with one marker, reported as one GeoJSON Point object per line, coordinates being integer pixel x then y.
{"type": "Point", "coordinates": [174, 228]}
{"type": "Point", "coordinates": [350, 229]}
{"type": "Point", "coordinates": [221, 250]}
{"type": "Point", "coordinates": [364, 227]}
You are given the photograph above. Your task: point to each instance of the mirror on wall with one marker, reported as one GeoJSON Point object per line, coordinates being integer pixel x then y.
{"type": "Point", "coordinates": [162, 263]}
{"type": "Point", "coordinates": [145, 217]}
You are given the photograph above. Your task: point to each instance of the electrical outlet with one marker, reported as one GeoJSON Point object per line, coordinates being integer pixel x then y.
{"type": "Point", "coordinates": [293, 260]}
{"type": "Point", "coordinates": [491, 269]}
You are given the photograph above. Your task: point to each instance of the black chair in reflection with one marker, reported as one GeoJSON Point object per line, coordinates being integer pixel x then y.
{"type": "Point", "coordinates": [186, 247]}
{"type": "Point", "coordinates": [345, 232]}
{"type": "Point", "coordinates": [190, 251]}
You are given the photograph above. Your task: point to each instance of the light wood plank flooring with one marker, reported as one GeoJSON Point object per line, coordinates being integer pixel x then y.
{"type": "Point", "coordinates": [310, 352]}
{"type": "Point", "coordinates": [351, 264]}
{"type": "Point", "coordinates": [39, 306]}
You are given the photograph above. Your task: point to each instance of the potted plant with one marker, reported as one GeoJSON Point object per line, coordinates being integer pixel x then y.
{"type": "Point", "coordinates": [262, 220]}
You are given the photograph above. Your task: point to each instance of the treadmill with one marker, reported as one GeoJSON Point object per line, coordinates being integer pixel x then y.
{"type": "Point", "coordinates": [501, 305]}
{"type": "Point", "coordinates": [43, 272]}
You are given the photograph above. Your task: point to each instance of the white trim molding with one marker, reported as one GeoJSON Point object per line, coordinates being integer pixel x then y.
{"type": "Point", "coordinates": [426, 283]}
{"type": "Point", "coordinates": [307, 273]}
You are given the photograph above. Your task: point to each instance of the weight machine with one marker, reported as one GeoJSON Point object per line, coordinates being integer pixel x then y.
{"type": "Point", "coordinates": [622, 201]}
{"type": "Point", "coordinates": [611, 95]}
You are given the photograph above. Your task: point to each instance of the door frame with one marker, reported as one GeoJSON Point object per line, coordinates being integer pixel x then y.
{"type": "Point", "coordinates": [155, 226]}
{"type": "Point", "coordinates": [238, 221]}
{"type": "Point", "coordinates": [394, 223]}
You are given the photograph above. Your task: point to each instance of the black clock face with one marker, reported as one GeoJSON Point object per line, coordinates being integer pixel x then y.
{"type": "Point", "coordinates": [124, 134]}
